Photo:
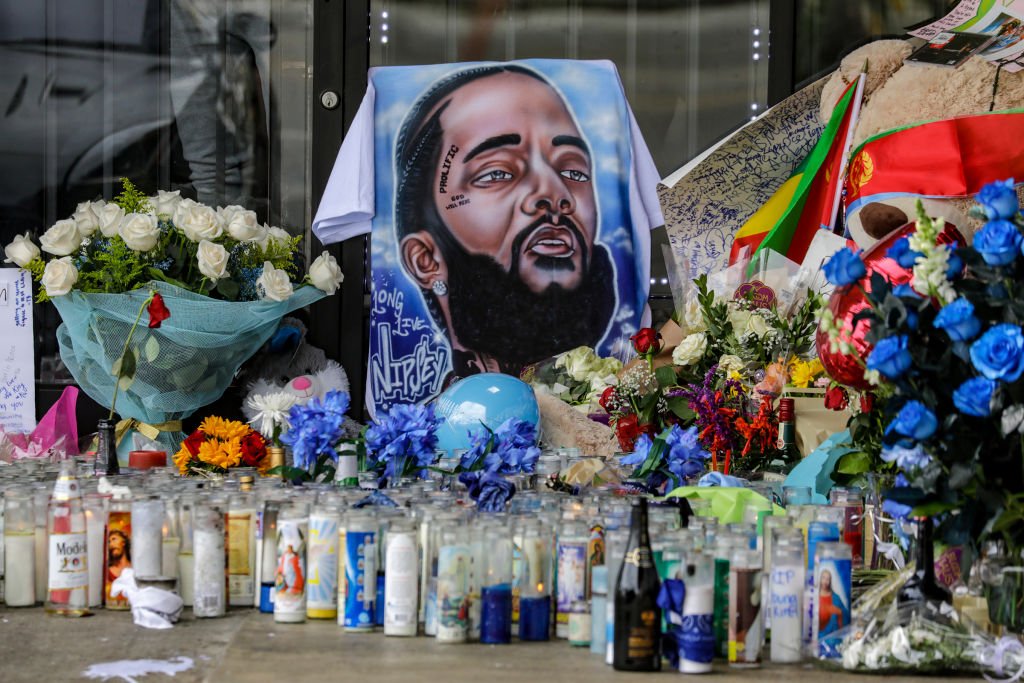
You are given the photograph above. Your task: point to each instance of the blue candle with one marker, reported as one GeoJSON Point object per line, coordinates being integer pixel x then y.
{"type": "Point", "coordinates": [266, 598]}
{"type": "Point", "coordinates": [496, 614]}
{"type": "Point", "coordinates": [535, 618]}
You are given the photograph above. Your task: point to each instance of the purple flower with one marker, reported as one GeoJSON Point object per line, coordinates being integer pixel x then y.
{"type": "Point", "coordinates": [316, 427]}
{"type": "Point", "coordinates": [509, 449]}
{"type": "Point", "coordinates": [906, 458]}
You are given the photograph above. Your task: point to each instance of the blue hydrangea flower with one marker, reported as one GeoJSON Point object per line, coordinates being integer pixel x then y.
{"type": "Point", "coordinates": [316, 427]}
{"type": "Point", "coordinates": [684, 455]}
{"type": "Point", "coordinates": [641, 449]}
{"type": "Point", "coordinates": [402, 441]}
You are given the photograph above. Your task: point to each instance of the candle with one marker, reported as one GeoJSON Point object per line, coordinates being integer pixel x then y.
{"type": "Point", "coordinates": [42, 546]}
{"type": "Point", "coordinates": [535, 618]}
{"type": "Point", "coordinates": [400, 581]}
{"type": "Point", "coordinates": [96, 530]}
{"type": "Point", "coordinates": [322, 552]}
{"type": "Point", "coordinates": [209, 589]}
{"type": "Point", "coordinates": [496, 614]}
{"type": "Point", "coordinates": [147, 536]}
{"type": "Point", "coordinates": [241, 532]}
{"type": "Point", "coordinates": [117, 554]}
{"type": "Point", "coordinates": [785, 597]}
{"type": "Point", "coordinates": [745, 621]}
{"type": "Point", "coordinates": [290, 578]}
{"type": "Point", "coordinates": [453, 558]}
{"type": "Point", "coordinates": [20, 555]}
{"type": "Point", "coordinates": [360, 572]}
{"type": "Point", "coordinates": [186, 578]}
{"type": "Point", "coordinates": [19, 569]}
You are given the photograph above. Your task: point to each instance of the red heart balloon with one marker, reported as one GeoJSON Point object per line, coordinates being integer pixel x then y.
{"type": "Point", "coordinates": [846, 302]}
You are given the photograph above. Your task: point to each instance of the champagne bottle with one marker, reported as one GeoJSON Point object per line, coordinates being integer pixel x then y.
{"type": "Point", "coordinates": [637, 645]}
{"type": "Point", "coordinates": [922, 586]}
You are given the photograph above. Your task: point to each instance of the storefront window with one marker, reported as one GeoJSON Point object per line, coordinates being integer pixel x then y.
{"type": "Point", "coordinates": [692, 70]}
{"type": "Point", "coordinates": [209, 97]}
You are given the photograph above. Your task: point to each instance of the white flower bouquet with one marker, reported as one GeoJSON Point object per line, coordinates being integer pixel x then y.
{"type": "Point", "coordinates": [221, 280]}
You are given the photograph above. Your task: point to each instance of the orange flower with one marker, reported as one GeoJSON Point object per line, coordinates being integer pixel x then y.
{"type": "Point", "coordinates": [219, 428]}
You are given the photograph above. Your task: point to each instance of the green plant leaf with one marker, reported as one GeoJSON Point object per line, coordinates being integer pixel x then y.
{"type": "Point", "coordinates": [680, 407]}
{"type": "Point", "coordinates": [857, 462]}
{"type": "Point", "coordinates": [228, 289]}
{"type": "Point", "coordinates": [932, 509]}
{"type": "Point", "coordinates": [124, 369]}
{"type": "Point", "coordinates": [666, 376]}
{"type": "Point", "coordinates": [151, 349]}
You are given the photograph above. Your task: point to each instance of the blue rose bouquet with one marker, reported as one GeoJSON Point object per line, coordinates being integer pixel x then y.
{"type": "Point", "coordinates": [675, 455]}
{"type": "Point", "coordinates": [402, 442]}
{"type": "Point", "coordinates": [948, 362]}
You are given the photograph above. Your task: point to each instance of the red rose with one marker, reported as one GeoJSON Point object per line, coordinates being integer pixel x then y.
{"type": "Point", "coordinates": [867, 403]}
{"type": "Point", "coordinates": [836, 398]}
{"type": "Point", "coordinates": [194, 441]}
{"type": "Point", "coordinates": [254, 447]}
{"type": "Point", "coordinates": [627, 429]}
{"type": "Point", "coordinates": [157, 311]}
{"type": "Point", "coordinates": [607, 396]}
{"type": "Point", "coordinates": [646, 341]}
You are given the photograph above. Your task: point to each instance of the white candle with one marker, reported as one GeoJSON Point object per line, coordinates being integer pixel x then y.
{"type": "Point", "coordinates": [208, 590]}
{"type": "Point", "coordinates": [147, 536]}
{"type": "Point", "coordinates": [19, 570]}
{"type": "Point", "coordinates": [169, 561]}
{"type": "Point", "coordinates": [96, 529]}
{"type": "Point", "coordinates": [186, 578]}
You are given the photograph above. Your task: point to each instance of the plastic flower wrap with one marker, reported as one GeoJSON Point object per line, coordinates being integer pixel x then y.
{"type": "Point", "coordinates": [401, 442]}
{"type": "Point", "coordinates": [218, 445]}
{"type": "Point", "coordinates": [577, 377]}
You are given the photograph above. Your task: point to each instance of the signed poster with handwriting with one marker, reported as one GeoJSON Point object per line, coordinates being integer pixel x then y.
{"type": "Point", "coordinates": [509, 206]}
{"type": "Point", "coordinates": [17, 355]}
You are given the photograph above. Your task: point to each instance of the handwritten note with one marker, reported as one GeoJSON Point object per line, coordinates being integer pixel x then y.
{"type": "Point", "coordinates": [17, 352]}
{"type": "Point", "coordinates": [709, 203]}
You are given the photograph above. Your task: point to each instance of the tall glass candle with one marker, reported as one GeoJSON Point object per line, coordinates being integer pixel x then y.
{"type": "Point", "coordinates": [571, 591]}
{"type": "Point", "coordinates": [268, 554]}
{"type": "Point", "coordinates": [322, 555]}
{"type": "Point", "coordinates": [42, 502]}
{"type": "Point", "coordinates": [20, 556]}
{"type": "Point", "coordinates": [746, 635]}
{"type": "Point", "coordinates": [117, 555]}
{"type": "Point", "coordinates": [832, 597]}
{"type": "Point", "coordinates": [171, 532]}
{"type": "Point", "coordinates": [496, 594]}
{"type": "Point", "coordinates": [147, 535]}
{"type": "Point", "coordinates": [477, 565]}
{"type": "Point", "coordinates": [598, 609]}
{"type": "Point", "coordinates": [697, 646]}
{"type": "Point", "coordinates": [400, 580]}
{"type": "Point", "coordinates": [361, 531]}
{"type": "Point", "coordinates": [535, 584]}
{"type": "Point", "coordinates": [785, 597]}
{"type": "Point", "coordinates": [817, 532]}
{"type": "Point", "coordinates": [290, 576]}
{"type": "Point", "coordinates": [186, 556]}
{"type": "Point", "coordinates": [241, 543]}
{"type": "Point", "coordinates": [210, 586]}
{"type": "Point", "coordinates": [851, 500]}
{"type": "Point", "coordinates": [453, 558]}
{"type": "Point", "coordinates": [95, 505]}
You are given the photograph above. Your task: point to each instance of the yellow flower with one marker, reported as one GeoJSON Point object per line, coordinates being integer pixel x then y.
{"type": "Point", "coordinates": [219, 428]}
{"type": "Point", "coordinates": [182, 459]}
{"type": "Point", "coordinates": [802, 373]}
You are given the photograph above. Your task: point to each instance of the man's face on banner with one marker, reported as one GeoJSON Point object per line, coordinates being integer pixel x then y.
{"type": "Point", "coordinates": [514, 180]}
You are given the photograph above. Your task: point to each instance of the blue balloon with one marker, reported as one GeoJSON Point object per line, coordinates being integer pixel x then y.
{"type": "Point", "coordinates": [490, 398]}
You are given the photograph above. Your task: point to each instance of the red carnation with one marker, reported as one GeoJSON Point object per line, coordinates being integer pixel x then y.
{"type": "Point", "coordinates": [157, 311]}
{"type": "Point", "coordinates": [646, 341]}
{"type": "Point", "coordinates": [254, 447]}
{"type": "Point", "coordinates": [836, 398]}
{"type": "Point", "coordinates": [194, 441]}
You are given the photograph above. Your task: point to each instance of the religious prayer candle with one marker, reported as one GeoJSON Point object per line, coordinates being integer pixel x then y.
{"type": "Point", "coordinates": [746, 635]}
{"type": "Point", "coordinates": [322, 558]}
{"type": "Point", "coordinates": [817, 532]}
{"type": "Point", "coordinates": [535, 584]}
{"type": "Point", "coordinates": [241, 532]}
{"type": "Point", "coordinates": [453, 558]}
{"type": "Point", "coordinates": [571, 590]}
{"type": "Point", "coordinates": [832, 598]}
{"type": "Point", "coordinates": [117, 555]}
{"type": "Point", "coordinates": [290, 576]}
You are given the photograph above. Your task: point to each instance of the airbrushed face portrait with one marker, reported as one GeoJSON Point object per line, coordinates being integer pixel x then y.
{"type": "Point", "coordinates": [497, 219]}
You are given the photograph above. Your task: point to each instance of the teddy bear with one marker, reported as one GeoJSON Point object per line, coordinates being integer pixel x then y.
{"type": "Point", "coordinates": [898, 94]}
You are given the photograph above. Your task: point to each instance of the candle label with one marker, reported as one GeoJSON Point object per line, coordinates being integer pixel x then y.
{"type": "Point", "coordinates": [832, 589]}
{"type": "Point", "coordinates": [360, 579]}
{"type": "Point", "coordinates": [572, 582]}
{"type": "Point", "coordinates": [290, 575]}
{"type": "Point", "coordinates": [322, 588]}
{"type": "Point", "coordinates": [785, 588]}
{"type": "Point", "coordinates": [400, 585]}
{"type": "Point", "coordinates": [452, 587]}
{"type": "Point", "coordinates": [240, 569]}
{"type": "Point", "coordinates": [595, 552]}
{"type": "Point", "coordinates": [745, 616]}
{"type": "Point", "coordinates": [68, 561]}
{"type": "Point", "coordinates": [118, 555]}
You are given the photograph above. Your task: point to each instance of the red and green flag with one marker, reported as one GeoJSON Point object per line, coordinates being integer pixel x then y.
{"type": "Point", "coordinates": [809, 200]}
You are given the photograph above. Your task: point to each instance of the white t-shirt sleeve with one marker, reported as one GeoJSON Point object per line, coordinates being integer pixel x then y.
{"type": "Point", "coordinates": [643, 202]}
{"type": "Point", "coordinates": [348, 204]}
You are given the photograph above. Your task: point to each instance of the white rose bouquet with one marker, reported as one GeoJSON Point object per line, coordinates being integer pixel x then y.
{"type": "Point", "coordinates": [223, 282]}
{"type": "Point", "coordinates": [577, 377]}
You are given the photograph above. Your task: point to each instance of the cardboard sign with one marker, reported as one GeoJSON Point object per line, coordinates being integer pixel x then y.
{"type": "Point", "coordinates": [17, 355]}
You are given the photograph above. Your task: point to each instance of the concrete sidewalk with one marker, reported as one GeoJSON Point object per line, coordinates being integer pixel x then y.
{"type": "Point", "coordinates": [248, 647]}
